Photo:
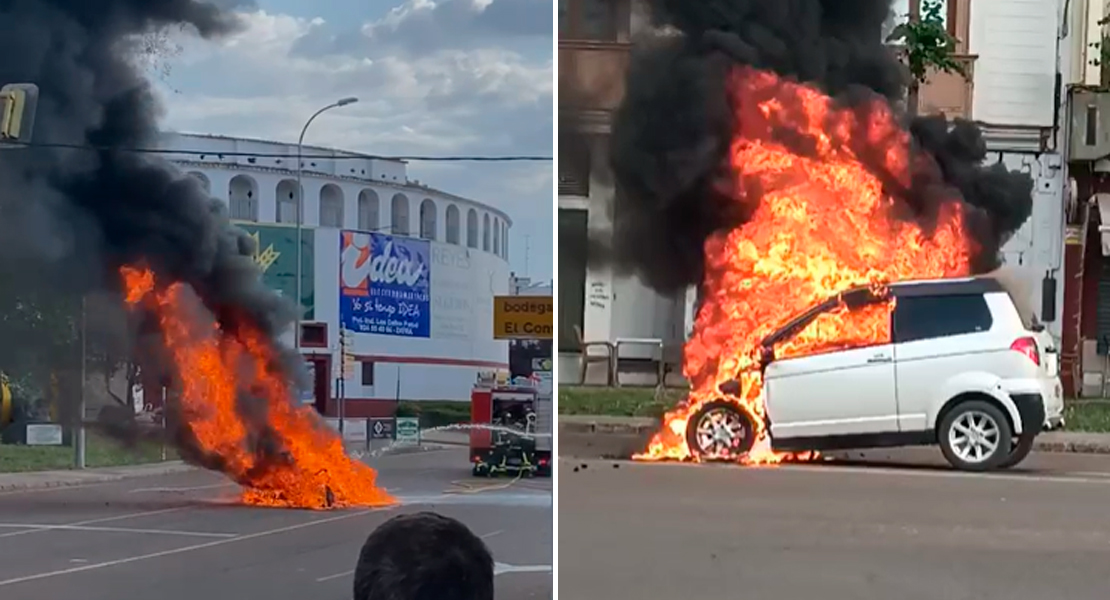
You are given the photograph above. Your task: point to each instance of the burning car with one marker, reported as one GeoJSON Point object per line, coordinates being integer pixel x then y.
{"type": "Point", "coordinates": [951, 362]}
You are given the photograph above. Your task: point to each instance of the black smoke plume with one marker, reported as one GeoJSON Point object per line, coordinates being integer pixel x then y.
{"type": "Point", "coordinates": [671, 133]}
{"type": "Point", "coordinates": [69, 218]}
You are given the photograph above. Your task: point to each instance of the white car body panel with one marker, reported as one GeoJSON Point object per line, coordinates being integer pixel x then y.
{"type": "Point", "coordinates": [807, 396]}
{"type": "Point", "coordinates": [904, 387]}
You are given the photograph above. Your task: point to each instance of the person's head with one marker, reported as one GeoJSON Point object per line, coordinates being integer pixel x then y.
{"type": "Point", "coordinates": [423, 556]}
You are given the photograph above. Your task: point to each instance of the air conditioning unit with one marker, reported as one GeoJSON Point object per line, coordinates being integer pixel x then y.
{"type": "Point", "coordinates": [1089, 116]}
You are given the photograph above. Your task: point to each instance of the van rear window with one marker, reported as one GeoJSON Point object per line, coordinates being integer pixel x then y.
{"type": "Point", "coordinates": [926, 317]}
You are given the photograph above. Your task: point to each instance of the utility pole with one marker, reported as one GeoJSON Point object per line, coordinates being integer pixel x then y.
{"type": "Point", "coordinates": [79, 421]}
{"type": "Point", "coordinates": [300, 215]}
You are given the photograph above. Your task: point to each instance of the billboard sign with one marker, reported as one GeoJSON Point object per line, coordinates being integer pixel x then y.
{"type": "Point", "coordinates": [384, 284]}
{"type": "Point", "coordinates": [523, 317]}
{"type": "Point", "coordinates": [275, 253]}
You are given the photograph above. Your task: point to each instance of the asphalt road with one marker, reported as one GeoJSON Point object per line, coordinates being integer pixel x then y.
{"type": "Point", "coordinates": [180, 537]}
{"type": "Point", "coordinates": [894, 525]}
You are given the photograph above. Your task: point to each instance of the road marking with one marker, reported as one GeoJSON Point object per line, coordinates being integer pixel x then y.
{"type": "Point", "coordinates": [487, 536]}
{"type": "Point", "coordinates": [182, 489]}
{"type": "Point", "coordinates": [502, 568]}
{"type": "Point", "coordinates": [336, 576]}
{"type": "Point", "coordinates": [48, 527]}
{"type": "Point", "coordinates": [498, 568]}
{"type": "Point", "coordinates": [184, 549]}
{"type": "Point", "coordinates": [134, 515]}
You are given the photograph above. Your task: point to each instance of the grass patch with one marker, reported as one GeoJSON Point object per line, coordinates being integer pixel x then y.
{"type": "Point", "coordinates": [1090, 417]}
{"type": "Point", "coordinates": [617, 402]}
{"type": "Point", "coordinates": [435, 413]}
{"type": "Point", "coordinates": [99, 452]}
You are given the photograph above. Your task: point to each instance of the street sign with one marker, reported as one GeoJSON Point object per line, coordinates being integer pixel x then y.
{"type": "Point", "coordinates": [408, 430]}
{"type": "Point", "coordinates": [542, 364]}
{"type": "Point", "coordinates": [523, 317]}
{"type": "Point", "coordinates": [382, 428]}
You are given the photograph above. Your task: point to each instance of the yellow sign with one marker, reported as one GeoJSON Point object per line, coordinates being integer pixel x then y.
{"type": "Point", "coordinates": [523, 317]}
{"type": "Point", "coordinates": [5, 401]}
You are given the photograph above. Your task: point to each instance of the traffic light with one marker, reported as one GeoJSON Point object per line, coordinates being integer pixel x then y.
{"type": "Point", "coordinates": [18, 102]}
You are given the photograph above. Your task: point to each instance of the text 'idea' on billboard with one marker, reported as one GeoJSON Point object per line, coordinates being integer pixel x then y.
{"type": "Point", "coordinates": [384, 284]}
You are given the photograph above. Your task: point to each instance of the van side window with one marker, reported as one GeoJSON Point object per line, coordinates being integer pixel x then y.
{"type": "Point", "coordinates": [925, 317]}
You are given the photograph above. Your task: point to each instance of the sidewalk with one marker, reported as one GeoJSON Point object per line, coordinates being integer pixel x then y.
{"type": "Point", "coordinates": [602, 426]}
{"type": "Point", "coordinates": [52, 479]}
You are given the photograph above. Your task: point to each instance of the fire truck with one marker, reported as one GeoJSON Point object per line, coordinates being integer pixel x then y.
{"type": "Point", "coordinates": [513, 428]}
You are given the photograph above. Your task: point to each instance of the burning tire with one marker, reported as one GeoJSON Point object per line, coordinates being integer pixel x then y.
{"type": "Point", "coordinates": [975, 436]}
{"type": "Point", "coordinates": [720, 431]}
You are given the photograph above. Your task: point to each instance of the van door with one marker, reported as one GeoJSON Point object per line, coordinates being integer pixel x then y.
{"type": "Point", "coordinates": [848, 391]}
{"type": "Point", "coordinates": [938, 337]}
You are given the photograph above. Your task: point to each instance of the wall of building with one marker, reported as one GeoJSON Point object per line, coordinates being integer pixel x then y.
{"type": "Point", "coordinates": [462, 245]}
{"type": "Point", "coordinates": [442, 361]}
{"type": "Point", "coordinates": [1036, 249]}
{"type": "Point", "coordinates": [368, 194]}
{"type": "Point", "coordinates": [1015, 73]}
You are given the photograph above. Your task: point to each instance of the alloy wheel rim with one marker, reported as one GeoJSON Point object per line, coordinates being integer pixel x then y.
{"type": "Point", "coordinates": [974, 436]}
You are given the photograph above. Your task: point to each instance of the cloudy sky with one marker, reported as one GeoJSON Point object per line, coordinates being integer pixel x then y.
{"type": "Point", "coordinates": [445, 77]}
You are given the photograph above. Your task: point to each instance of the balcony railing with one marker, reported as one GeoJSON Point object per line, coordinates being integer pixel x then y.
{"type": "Point", "coordinates": [949, 93]}
{"type": "Point", "coordinates": [591, 78]}
{"type": "Point", "coordinates": [591, 74]}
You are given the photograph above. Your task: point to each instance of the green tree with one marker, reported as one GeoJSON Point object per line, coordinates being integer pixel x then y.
{"type": "Point", "coordinates": [926, 47]}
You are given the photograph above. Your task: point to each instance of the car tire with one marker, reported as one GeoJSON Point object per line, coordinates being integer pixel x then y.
{"type": "Point", "coordinates": [720, 431]}
{"type": "Point", "coordinates": [1021, 449]}
{"type": "Point", "coordinates": [968, 453]}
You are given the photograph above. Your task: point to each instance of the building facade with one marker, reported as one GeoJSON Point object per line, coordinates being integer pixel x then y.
{"type": "Point", "coordinates": [1010, 90]}
{"type": "Point", "coordinates": [409, 271]}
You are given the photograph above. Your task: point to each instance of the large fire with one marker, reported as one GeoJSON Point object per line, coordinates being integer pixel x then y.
{"type": "Point", "coordinates": [214, 369]}
{"type": "Point", "coordinates": [823, 224]}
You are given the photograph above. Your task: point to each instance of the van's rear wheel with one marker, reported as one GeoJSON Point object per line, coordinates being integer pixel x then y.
{"type": "Point", "coordinates": [975, 436]}
{"type": "Point", "coordinates": [720, 431]}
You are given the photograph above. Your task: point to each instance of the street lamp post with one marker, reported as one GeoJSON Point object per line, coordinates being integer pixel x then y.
{"type": "Point", "coordinates": [300, 214]}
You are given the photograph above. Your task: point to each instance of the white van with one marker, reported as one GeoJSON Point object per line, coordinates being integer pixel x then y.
{"type": "Point", "coordinates": [964, 370]}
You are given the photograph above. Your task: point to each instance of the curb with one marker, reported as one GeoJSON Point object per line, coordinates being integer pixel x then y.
{"type": "Point", "coordinates": [618, 434]}
{"type": "Point", "coordinates": [39, 480]}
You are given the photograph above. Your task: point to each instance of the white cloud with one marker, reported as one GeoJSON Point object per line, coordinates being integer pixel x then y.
{"type": "Point", "coordinates": [478, 91]}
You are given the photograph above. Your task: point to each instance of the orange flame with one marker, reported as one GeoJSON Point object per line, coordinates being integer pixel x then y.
{"type": "Point", "coordinates": [823, 224]}
{"type": "Point", "coordinates": [215, 368]}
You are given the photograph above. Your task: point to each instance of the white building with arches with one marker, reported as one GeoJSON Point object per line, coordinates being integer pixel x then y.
{"type": "Point", "coordinates": [467, 252]}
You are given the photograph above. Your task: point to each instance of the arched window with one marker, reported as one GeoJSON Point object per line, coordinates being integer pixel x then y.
{"type": "Point", "coordinates": [453, 224]}
{"type": "Point", "coordinates": [399, 215]}
{"type": "Point", "coordinates": [497, 236]}
{"type": "Point", "coordinates": [287, 202]}
{"type": "Point", "coordinates": [485, 232]}
{"type": "Point", "coordinates": [203, 179]}
{"type": "Point", "coordinates": [472, 228]}
{"type": "Point", "coordinates": [242, 198]}
{"type": "Point", "coordinates": [331, 206]}
{"type": "Point", "coordinates": [428, 219]}
{"type": "Point", "coordinates": [368, 209]}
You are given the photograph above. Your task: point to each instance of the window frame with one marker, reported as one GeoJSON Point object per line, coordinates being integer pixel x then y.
{"type": "Point", "coordinates": [898, 336]}
{"type": "Point", "coordinates": [574, 23]}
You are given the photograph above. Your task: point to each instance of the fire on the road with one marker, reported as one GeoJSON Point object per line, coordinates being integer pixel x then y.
{"type": "Point", "coordinates": [214, 368]}
{"type": "Point", "coordinates": [822, 224]}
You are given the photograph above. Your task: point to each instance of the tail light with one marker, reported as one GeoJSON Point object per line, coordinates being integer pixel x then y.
{"type": "Point", "coordinates": [543, 462]}
{"type": "Point", "coordinates": [1028, 347]}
